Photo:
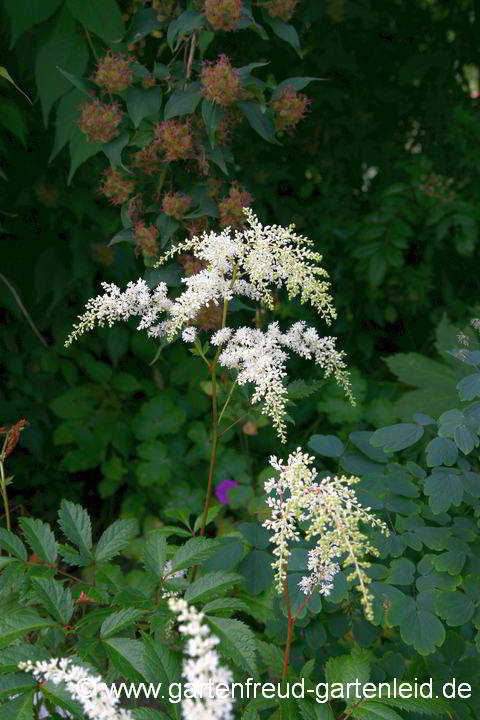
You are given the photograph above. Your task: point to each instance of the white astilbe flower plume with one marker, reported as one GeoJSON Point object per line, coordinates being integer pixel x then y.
{"type": "Point", "coordinates": [202, 670]}
{"type": "Point", "coordinates": [98, 703]}
{"type": "Point", "coordinates": [260, 358]}
{"type": "Point", "coordinates": [333, 513]}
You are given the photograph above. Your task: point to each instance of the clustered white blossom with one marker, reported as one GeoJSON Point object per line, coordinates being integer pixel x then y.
{"type": "Point", "coordinates": [333, 512]}
{"type": "Point", "coordinates": [89, 690]}
{"type": "Point", "coordinates": [247, 263]}
{"type": "Point", "coordinates": [260, 358]}
{"type": "Point", "coordinates": [202, 670]}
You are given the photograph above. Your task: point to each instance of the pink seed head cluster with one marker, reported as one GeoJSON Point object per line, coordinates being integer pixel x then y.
{"type": "Point", "coordinates": [174, 139]}
{"type": "Point", "coordinates": [176, 204]}
{"type": "Point", "coordinates": [223, 14]}
{"type": "Point", "coordinates": [116, 187]}
{"type": "Point", "coordinates": [231, 207]}
{"type": "Point", "coordinates": [100, 121]}
{"type": "Point", "coordinates": [290, 108]}
{"type": "Point", "coordinates": [283, 9]}
{"type": "Point", "coordinates": [220, 81]}
{"type": "Point", "coordinates": [114, 73]}
{"type": "Point", "coordinates": [145, 237]}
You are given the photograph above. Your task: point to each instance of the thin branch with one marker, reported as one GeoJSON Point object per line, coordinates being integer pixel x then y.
{"type": "Point", "coordinates": [23, 309]}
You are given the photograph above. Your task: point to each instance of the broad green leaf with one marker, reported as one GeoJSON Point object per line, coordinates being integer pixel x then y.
{"type": "Point", "coordinates": [144, 22]}
{"type": "Point", "coordinates": [188, 21]}
{"type": "Point", "coordinates": [155, 553]}
{"type": "Point", "coordinates": [454, 607]}
{"type": "Point", "coordinates": [182, 102]}
{"type": "Point", "coordinates": [402, 572]}
{"type": "Point", "coordinates": [17, 624]}
{"type": "Point", "coordinates": [255, 534]}
{"type": "Point", "coordinates": [361, 440]}
{"type": "Point", "coordinates": [469, 387]}
{"type": "Point", "coordinates": [12, 544]}
{"type": "Point", "coordinates": [118, 621]}
{"type": "Point", "coordinates": [226, 607]}
{"type": "Point", "coordinates": [102, 18]}
{"type": "Point", "coordinates": [127, 657]}
{"type": "Point", "coordinates": [396, 437]}
{"type": "Point", "coordinates": [348, 669]}
{"type": "Point", "coordinates": [65, 49]}
{"type": "Point", "coordinates": [327, 445]}
{"type": "Point", "coordinates": [271, 655]}
{"type": "Point", "coordinates": [212, 115]}
{"type": "Point", "coordinates": [422, 706]}
{"type": "Point", "coordinates": [423, 630]}
{"type": "Point", "coordinates": [194, 552]}
{"type": "Point", "coordinates": [113, 150]}
{"type": "Point", "coordinates": [12, 118]}
{"type": "Point", "coordinates": [143, 102]}
{"type": "Point", "coordinates": [86, 87]}
{"type": "Point", "coordinates": [76, 526]}
{"type": "Point", "coordinates": [210, 586]}
{"type": "Point", "coordinates": [115, 539]}
{"type": "Point", "coordinates": [465, 439]}
{"type": "Point", "coordinates": [145, 713]}
{"type": "Point", "coordinates": [444, 488]}
{"type": "Point", "coordinates": [163, 665]}
{"type": "Point", "coordinates": [56, 599]}
{"type": "Point", "coordinates": [40, 537]}
{"type": "Point", "coordinates": [81, 150]}
{"type": "Point", "coordinates": [19, 708]}
{"type": "Point", "coordinates": [211, 515]}
{"type": "Point", "coordinates": [10, 657]}
{"type": "Point", "coordinates": [256, 568]}
{"type": "Point", "coordinates": [156, 466]}
{"type": "Point", "coordinates": [262, 122]}
{"type": "Point", "coordinates": [299, 389]}
{"type": "Point", "coordinates": [237, 642]}
{"type": "Point", "coordinates": [67, 113]}
{"type": "Point", "coordinates": [284, 31]}
{"type": "Point", "coordinates": [159, 416]}
{"type": "Point", "coordinates": [23, 14]}
{"type": "Point", "coordinates": [441, 451]}
{"type": "Point", "coordinates": [59, 697]}
{"type": "Point", "coordinates": [297, 83]}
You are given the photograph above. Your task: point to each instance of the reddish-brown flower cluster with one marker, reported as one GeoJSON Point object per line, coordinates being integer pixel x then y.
{"type": "Point", "coordinates": [175, 139]}
{"type": "Point", "coordinates": [116, 187]}
{"type": "Point", "coordinates": [231, 207]}
{"type": "Point", "coordinates": [135, 208]}
{"type": "Point", "coordinates": [145, 237]}
{"type": "Point", "coordinates": [290, 108]}
{"type": "Point", "coordinates": [176, 204]}
{"type": "Point", "coordinates": [114, 73]}
{"type": "Point", "coordinates": [13, 436]}
{"type": "Point", "coordinates": [283, 9]}
{"type": "Point", "coordinates": [100, 121]}
{"type": "Point", "coordinates": [220, 81]}
{"type": "Point", "coordinates": [223, 14]}
{"type": "Point", "coordinates": [227, 125]}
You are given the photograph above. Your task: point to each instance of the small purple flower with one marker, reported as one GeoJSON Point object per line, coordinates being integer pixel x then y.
{"type": "Point", "coordinates": [221, 490]}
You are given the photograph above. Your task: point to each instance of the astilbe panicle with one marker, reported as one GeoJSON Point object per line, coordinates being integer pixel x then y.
{"type": "Point", "coordinates": [114, 72]}
{"type": "Point", "coordinates": [223, 14]}
{"type": "Point", "coordinates": [283, 9]}
{"type": "Point", "coordinates": [100, 121]}
{"type": "Point", "coordinates": [231, 208]}
{"type": "Point", "coordinates": [12, 436]}
{"type": "Point", "coordinates": [116, 186]}
{"type": "Point", "coordinates": [332, 513]}
{"type": "Point", "coordinates": [202, 671]}
{"type": "Point", "coordinates": [176, 204]}
{"type": "Point", "coordinates": [90, 690]}
{"type": "Point", "coordinates": [253, 263]}
{"type": "Point", "coordinates": [290, 108]}
{"type": "Point", "coordinates": [220, 82]}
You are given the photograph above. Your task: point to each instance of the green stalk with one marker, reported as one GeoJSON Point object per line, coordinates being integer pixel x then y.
{"type": "Point", "coordinates": [3, 484]}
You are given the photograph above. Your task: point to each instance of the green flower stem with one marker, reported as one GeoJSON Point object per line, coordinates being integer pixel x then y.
{"type": "Point", "coordinates": [291, 620]}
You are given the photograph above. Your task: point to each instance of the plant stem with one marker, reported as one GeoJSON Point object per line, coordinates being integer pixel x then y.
{"type": "Point", "coordinates": [4, 493]}
{"type": "Point", "coordinates": [286, 654]}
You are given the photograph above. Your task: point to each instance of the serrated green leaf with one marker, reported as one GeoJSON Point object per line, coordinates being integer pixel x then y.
{"type": "Point", "coordinates": [194, 552]}
{"type": "Point", "coordinates": [76, 526]}
{"type": "Point", "coordinates": [40, 537]}
{"type": "Point", "coordinates": [16, 624]}
{"type": "Point", "coordinates": [210, 586]}
{"type": "Point", "coordinates": [118, 621]}
{"type": "Point", "coordinates": [225, 607]}
{"type": "Point", "coordinates": [371, 710]}
{"type": "Point", "coordinates": [237, 642]}
{"type": "Point", "coordinates": [19, 708]}
{"type": "Point", "coordinates": [115, 539]}
{"type": "Point", "coordinates": [17, 683]}
{"type": "Point", "coordinates": [127, 657]}
{"type": "Point", "coordinates": [12, 544]}
{"type": "Point", "coordinates": [56, 599]}
{"type": "Point", "coordinates": [155, 552]}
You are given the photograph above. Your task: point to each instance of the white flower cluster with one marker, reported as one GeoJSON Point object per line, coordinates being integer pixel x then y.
{"type": "Point", "coordinates": [202, 671]}
{"type": "Point", "coordinates": [260, 358]}
{"type": "Point", "coordinates": [90, 691]}
{"type": "Point", "coordinates": [168, 575]}
{"type": "Point", "coordinates": [333, 513]}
